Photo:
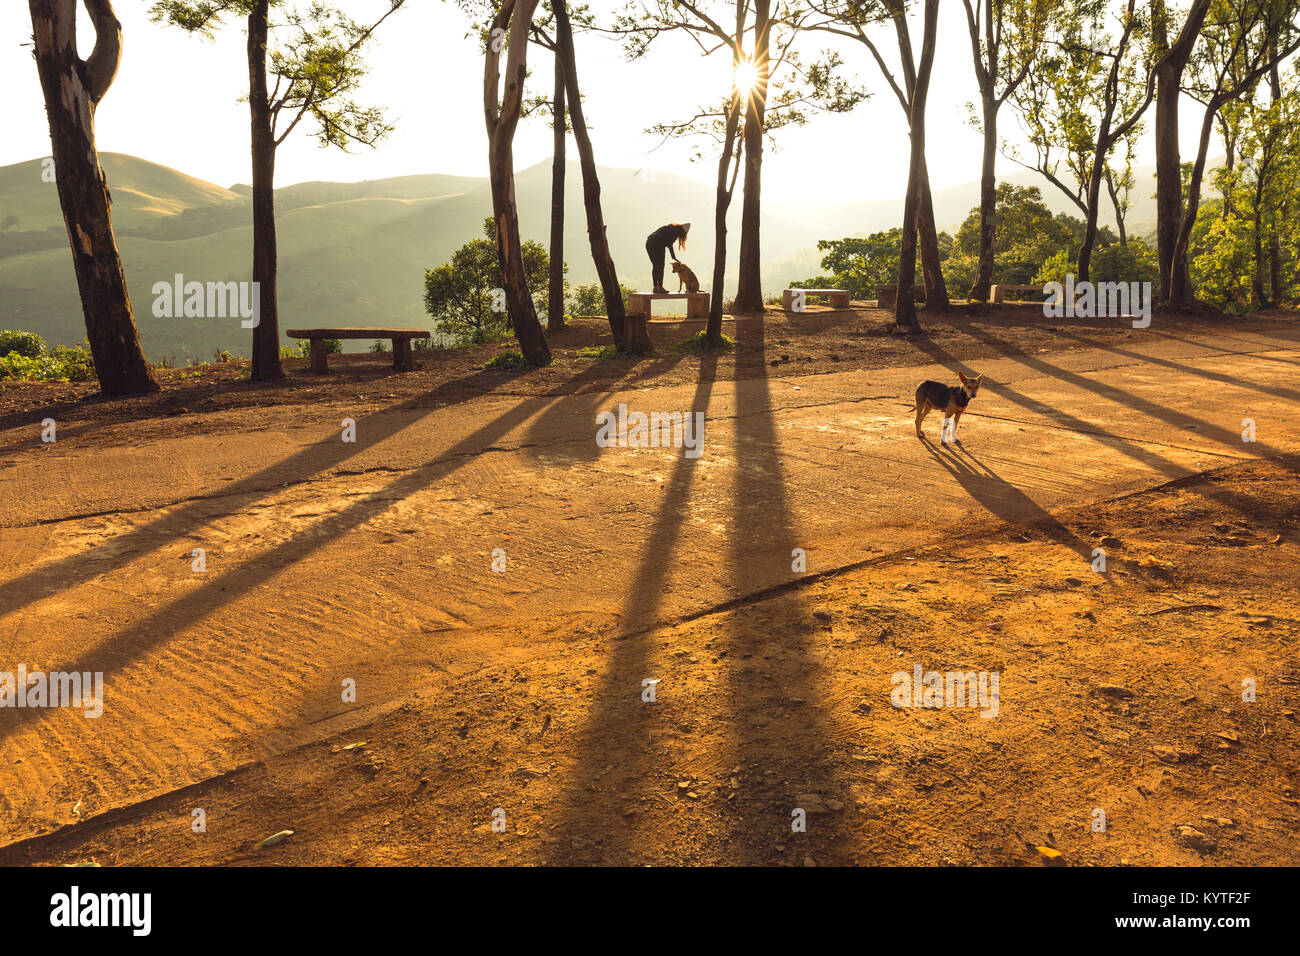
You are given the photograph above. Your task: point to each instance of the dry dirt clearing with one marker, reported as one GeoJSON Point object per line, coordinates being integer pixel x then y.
{"type": "Point", "coordinates": [371, 562]}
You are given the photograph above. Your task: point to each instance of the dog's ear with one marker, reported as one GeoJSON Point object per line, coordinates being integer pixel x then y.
{"type": "Point", "coordinates": [962, 376]}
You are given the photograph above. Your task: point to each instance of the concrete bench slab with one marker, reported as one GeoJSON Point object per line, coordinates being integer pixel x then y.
{"type": "Point", "coordinates": [403, 356]}
{"type": "Point", "coordinates": [697, 303]}
{"type": "Point", "coordinates": [998, 292]}
{"type": "Point", "coordinates": [839, 298]}
{"type": "Point", "coordinates": [887, 295]}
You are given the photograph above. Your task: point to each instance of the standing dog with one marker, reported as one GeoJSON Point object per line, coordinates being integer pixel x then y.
{"type": "Point", "coordinates": [685, 277]}
{"type": "Point", "coordinates": [950, 400]}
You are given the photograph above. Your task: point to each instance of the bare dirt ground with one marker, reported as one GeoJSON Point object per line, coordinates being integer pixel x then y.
{"type": "Point", "coordinates": [370, 561]}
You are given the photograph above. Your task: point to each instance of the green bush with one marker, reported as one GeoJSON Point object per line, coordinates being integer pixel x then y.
{"type": "Point", "coordinates": [379, 346]}
{"type": "Point", "coordinates": [589, 299]}
{"type": "Point", "coordinates": [76, 362]}
{"type": "Point", "coordinates": [26, 344]}
{"type": "Point", "coordinates": [62, 364]}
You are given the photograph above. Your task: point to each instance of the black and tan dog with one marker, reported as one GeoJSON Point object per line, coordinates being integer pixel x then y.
{"type": "Point", "coordinates": [685, 277]}
{"type": "Point", "coordinates": [949, 399]}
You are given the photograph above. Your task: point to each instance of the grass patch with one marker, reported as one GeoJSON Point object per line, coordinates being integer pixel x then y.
{"type": "Point", "coordinates": [506, 360]}
{"type": "Point", "coordinates": [599, 352]}
{"type": "Point", "coordinates": [699, 342]}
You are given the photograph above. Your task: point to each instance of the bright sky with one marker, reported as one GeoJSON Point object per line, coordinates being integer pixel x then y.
{"type": "Point", "coordinates": [175, 102]}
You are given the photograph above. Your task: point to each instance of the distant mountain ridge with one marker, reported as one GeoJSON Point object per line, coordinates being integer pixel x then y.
{"type": "Point", "coordinates": [355, 253]}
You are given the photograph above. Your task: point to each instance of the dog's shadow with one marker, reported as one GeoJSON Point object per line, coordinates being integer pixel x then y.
{"type": "Point", "coordinates": [999, 497]}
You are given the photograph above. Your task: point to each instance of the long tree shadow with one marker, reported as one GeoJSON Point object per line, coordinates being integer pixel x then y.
{"type": "Point", "coordinates": [585, 404]}
{"type": "Point", "coordinates": [1002, 499]}
{"type": "Point", "coordinates": [132, 643]}
{"type": "Point", "coordinates": [176, 524]}
{"type": "Point", "coordinates": [1143, 454]}
{"type": "Point", "coordinates": [1279, 344]}
{"type": "Point", "coordinates": [617, 712]}
{"type": "Point", "coordinates": [1117, 395]}
{"type": "Point", "coordinates": [1275, 391]}
{"type": "Point", "coordinates": [776, 685]}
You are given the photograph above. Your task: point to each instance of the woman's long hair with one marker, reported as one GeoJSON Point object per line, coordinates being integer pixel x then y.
{"type": "Point", "coordinates": [681, 243]}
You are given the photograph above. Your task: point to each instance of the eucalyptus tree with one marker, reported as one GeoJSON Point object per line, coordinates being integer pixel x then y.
{"type": "Point", "coordinates": [1083, 96]}
{"type": "Point", "coordinates": [314, 56]}
{"type": "Point", "coordinates": [1173, 44]}
{"type": "Point", "coordinates": [1241, 41]}
{"type": "Point", "coordinates": [73, 88]}
{"type": "Point", "coordinates": [854, 19]}
{"type": "Point", "coordinates": [1005, 37]}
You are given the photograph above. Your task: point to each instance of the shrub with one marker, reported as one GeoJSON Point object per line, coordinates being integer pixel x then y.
{"type": "Point", "coordinates": [26, 344]}
{"type": "Point", "coordinates": [63, 364]}
{"type": "Point", "coordinates": [589, 299]}
{"type": "Point", "coordinates": [379, 346]}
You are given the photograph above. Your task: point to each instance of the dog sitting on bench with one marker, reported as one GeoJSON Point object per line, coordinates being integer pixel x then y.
{"type": "Point", "coordinates": [685, 277]}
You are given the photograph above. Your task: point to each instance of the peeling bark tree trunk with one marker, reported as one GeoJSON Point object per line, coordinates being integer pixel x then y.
{"type": "Point", "coordinates": [73, 89]}
{"type": "Point", "coordinates": [502, 117]}
{"type": "Point", "coordinates": [905, 319]}
{"type": "Point", "coordinates": [555, 300]}
{"type": "Point", "coordinates": [266, 334]}
{"type": "Point", "coordinates": [979, 290]}
{"type": "Point", "coordinates": [600, 255]}
{"type": "Point", "coordinates": [1169, 171]}
{"type": "Point", "coordinates": [749, 290]}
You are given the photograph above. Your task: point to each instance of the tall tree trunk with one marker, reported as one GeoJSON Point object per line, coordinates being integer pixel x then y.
{"type": "Point", "coordinates": [1230, 167]}
{"type": "Point", "coordinates": [555, 299]}
{"type": "Point", "coordinates": [722, 202]}
{"type": "Point", "coordinates": [1275, 243]}
{"type": "Point", "coordinates": [749, 291]}
{"type": "Point", "coordinates": [905, 319]}
{"type": "Point", "coordinates": [1275, 269]}
{"type": "Point", "coordinates": [1181, 294]}
{"type": "Point", "coordinates": [600, 255]}
{"type": "Point", "coordinates": [1119, 212]}
{"type": "Point", "coordinates": [73, 89]}
{"type": "Point", "coordinates": [1257, 282]}
{"type": "Point", "coordinates": [266, 334]}
{"type": "Point", "coordinates": [979, 290]}
{"type": "Point", "coordinates": [936, 289]}
{"type": "Point", "coordinates": [502, 118]}
{"type": "Point", "coordinates": [1084, 264]}
{"type": "Point", "coordinates": [1169, 170]}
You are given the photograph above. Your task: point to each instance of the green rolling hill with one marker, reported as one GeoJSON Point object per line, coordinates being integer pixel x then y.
{"type": "Point", "coordinates": [350, 253]}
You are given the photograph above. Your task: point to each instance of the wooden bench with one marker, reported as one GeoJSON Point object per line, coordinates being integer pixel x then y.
{"type": "Point", "coordinates": [403, 356]}
{"type": "Point", "coordinates": [839, 298]}
{"type": "Point", "coordinates": [887, 295]}
{"type": "Point", "coordinates": [999, 292]}
{"type": "Point", "coordinates": [697, 303]}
